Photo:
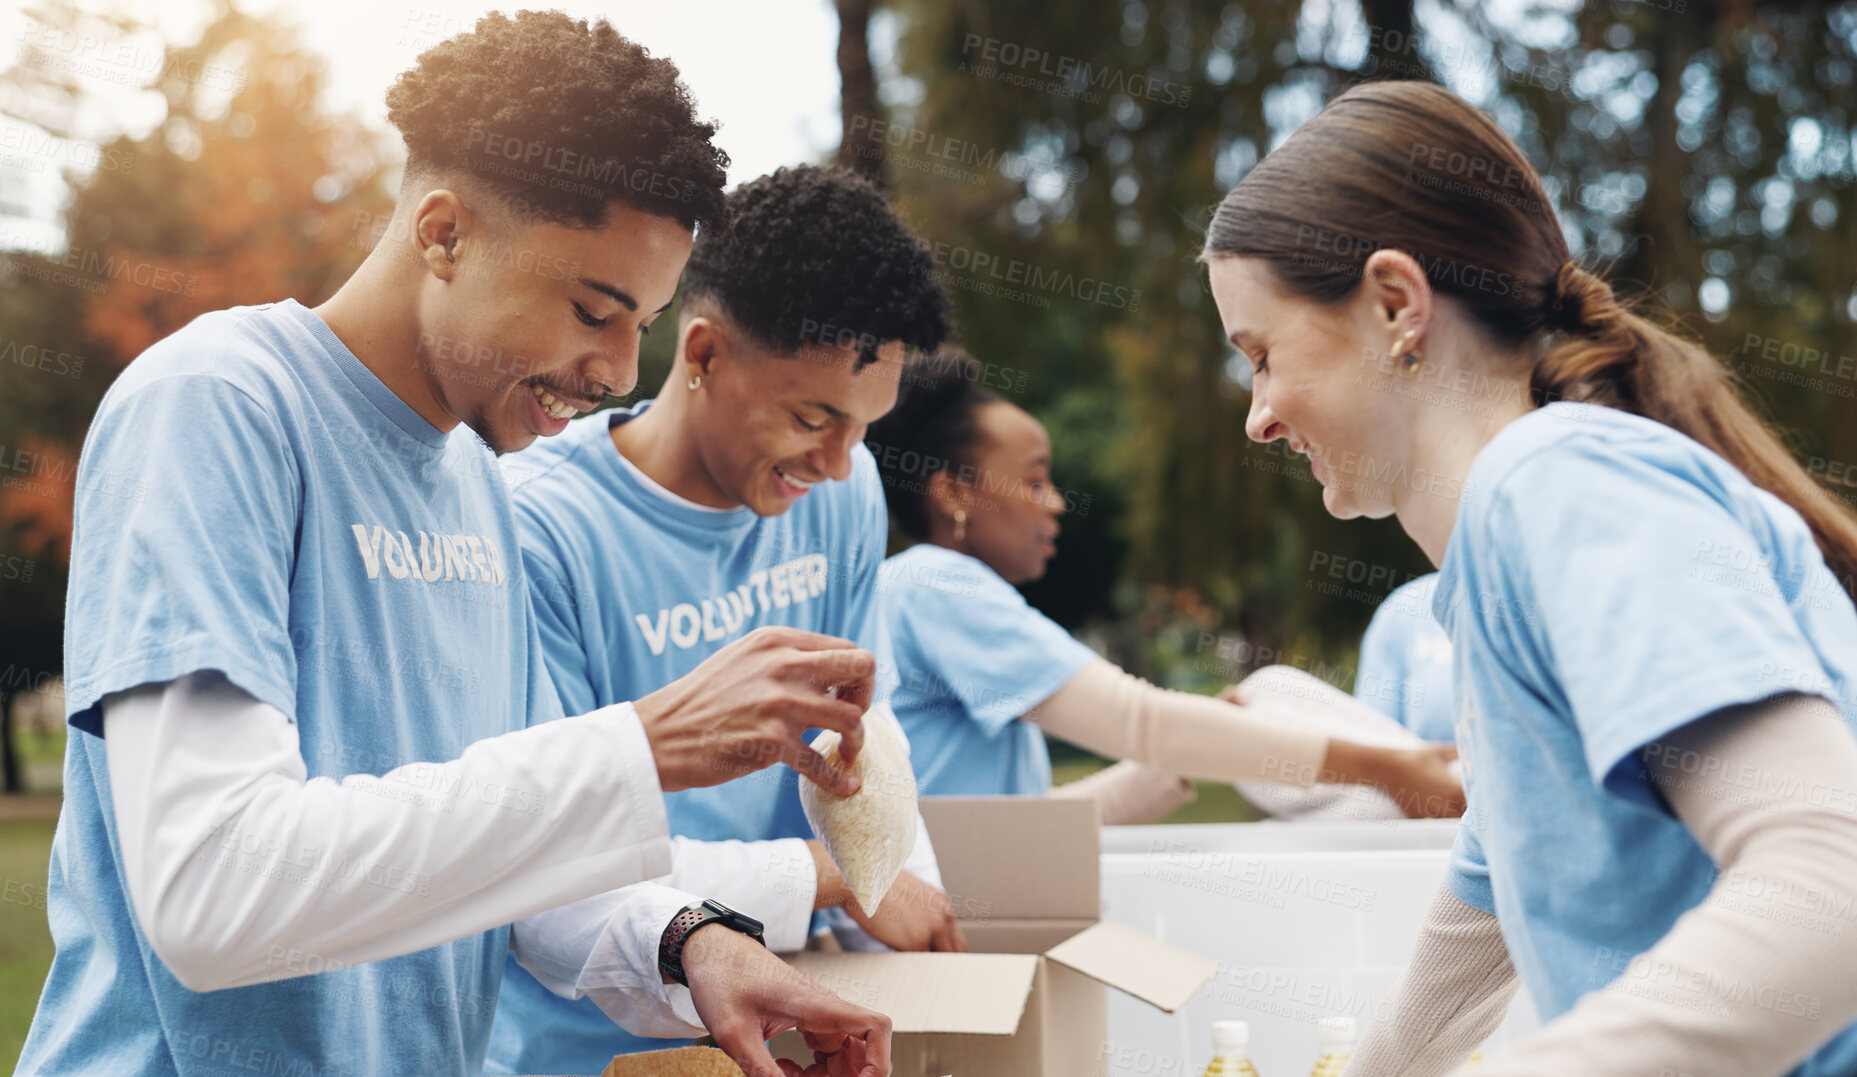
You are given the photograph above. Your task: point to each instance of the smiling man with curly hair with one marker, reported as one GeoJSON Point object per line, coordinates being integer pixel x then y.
{"type": "Point", "coordinates": [741, 497]}
{"type": "Point", "coordinates": [320, 768]}
{"type": "Point", "coordinates": [554, 173]}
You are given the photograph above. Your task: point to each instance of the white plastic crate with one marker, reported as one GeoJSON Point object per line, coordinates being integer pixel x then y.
{"type": "Point", "coordinates": [1309, 920]}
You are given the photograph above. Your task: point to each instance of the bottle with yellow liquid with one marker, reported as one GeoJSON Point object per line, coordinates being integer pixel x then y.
{"type": "Point", "coordinates": [1231, 1042]}
{"type": "Point", "coordinates": [1337, 1045]}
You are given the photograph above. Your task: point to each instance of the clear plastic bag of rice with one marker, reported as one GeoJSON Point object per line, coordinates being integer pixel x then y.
{"type": "Point", "coordinates": [870, 833]}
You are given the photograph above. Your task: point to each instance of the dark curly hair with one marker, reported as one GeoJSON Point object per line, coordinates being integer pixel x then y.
{"type": "Point", "coordinates": [930, 430]}
{"type": "Point", "coordinates": [560, 118]}
{"type": "Point", "coordinates": [817, 254]}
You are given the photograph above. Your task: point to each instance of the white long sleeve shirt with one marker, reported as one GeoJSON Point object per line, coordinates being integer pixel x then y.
{"type": "Point", "coordinates": [242, 870]}
{"type": "Point", "coordinates": [205, 779]}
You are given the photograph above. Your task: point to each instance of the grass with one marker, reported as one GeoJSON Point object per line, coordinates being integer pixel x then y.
{"type": "Point", "coordinates": [41, 759]}
{"type": "Point", "coordinates": [25, 941]}
{"type": "Point", "coordinates": [39, 749]}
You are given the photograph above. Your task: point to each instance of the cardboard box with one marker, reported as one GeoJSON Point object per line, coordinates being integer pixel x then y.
{"type": "Point", "coordinates": [681, 1062]}
{"type": "Point", "coordinates": [1031, 999]}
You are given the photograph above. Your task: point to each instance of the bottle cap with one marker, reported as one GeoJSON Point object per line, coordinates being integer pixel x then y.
{"type": "Point", "coordinates": [1337, 1031]}
{"type": "Point", "coordinates": [1231, 1035]}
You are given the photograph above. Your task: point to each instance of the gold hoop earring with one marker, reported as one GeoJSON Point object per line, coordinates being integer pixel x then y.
{"type": "Point", "coordinates": [960, 525]}
{"type": "Point", "coordinates": [695, 381]}
{"type": "Point", "coordinates": [1405, 354]}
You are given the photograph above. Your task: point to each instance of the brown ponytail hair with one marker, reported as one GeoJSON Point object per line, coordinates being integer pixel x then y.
{"type": "Point", "coordinates": [1413, 167]}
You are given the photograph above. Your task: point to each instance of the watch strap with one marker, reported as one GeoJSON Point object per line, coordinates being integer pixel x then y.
{"type": "Point", "coordinates": [685, 923]}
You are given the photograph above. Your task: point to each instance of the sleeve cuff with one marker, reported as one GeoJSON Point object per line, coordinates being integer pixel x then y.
{"type": "Point", "coordinates": [922, 863]}
{"type": "Point", "coordinates": [622, 974]}
{"type": "Point", "coordinates": [772, 881]}
{"type": "Point", "coordinates": [1472, 890]}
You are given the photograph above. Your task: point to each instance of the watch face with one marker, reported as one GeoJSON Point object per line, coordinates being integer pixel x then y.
{"type": "Point", "coordinates": [748, 925]}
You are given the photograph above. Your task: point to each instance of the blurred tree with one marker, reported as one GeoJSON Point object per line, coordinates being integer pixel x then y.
{"type": "Point", "coordinates": [1701, 149]}
{"type": "Point", "coordinates": [1706, 156]}
{"type": "Point", "coordinates": [1124, 123]}
{"type": "Point", "coordinates": [256, 194]}
{"type": "Point", "coordinates": [244, 191]}
{"type": "Point", "coordinates": [857, 95]}
{"type": "Point", "coordinates": [46, 366]}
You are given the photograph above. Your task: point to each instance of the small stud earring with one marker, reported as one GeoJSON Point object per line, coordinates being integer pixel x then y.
{"type": "Point", "coordinates": [695, 381]}
{"type": "Point", "coordinates": [960, 525]}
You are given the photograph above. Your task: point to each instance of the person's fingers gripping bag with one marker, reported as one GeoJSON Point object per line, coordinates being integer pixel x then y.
{"type": "Point", "coordinates": [870, 833]}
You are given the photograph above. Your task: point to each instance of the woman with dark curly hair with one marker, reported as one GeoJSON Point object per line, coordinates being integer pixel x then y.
{"type": "Point", "coordinates": [983, 676]}
{"type": "Point", "coordinates": [335, 770]}
{"type": "Point", "coordinates": [1647, 599]}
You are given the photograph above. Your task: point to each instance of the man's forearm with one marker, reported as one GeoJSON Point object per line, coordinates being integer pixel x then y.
{"type": "Point", "coordinates": [606, 948]}
{"type": "Point", "coordinates": [773, 881]}
{"type": "Point", "coordinates": [833, 891]}
{"type": "Point", "coordinates": [240, 870]}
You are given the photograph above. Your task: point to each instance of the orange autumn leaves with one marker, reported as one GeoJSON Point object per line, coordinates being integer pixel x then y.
{"type": "Point", "coordinates": [247, 192]}
{"type": "Point", "coordinates": [38, 483]}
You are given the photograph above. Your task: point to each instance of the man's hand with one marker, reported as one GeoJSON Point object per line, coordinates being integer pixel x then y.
{"type": "Point", "coordinates": [914, 916]}
{"type": "Point", "coordinates": [830, 1059]}
{"type": "Point", "coordinates": [746, 996]}
{"type": "Point", "coordinates": [748, 706]}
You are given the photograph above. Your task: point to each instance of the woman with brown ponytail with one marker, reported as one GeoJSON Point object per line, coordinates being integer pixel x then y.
{"type": "Point", "coordinates": [1656, 666]}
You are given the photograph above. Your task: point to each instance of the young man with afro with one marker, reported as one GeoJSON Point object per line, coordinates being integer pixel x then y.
{"type": "Point", "coordinates": [742, 496]}
{"type": "Point", "coordinates": [320, 767]}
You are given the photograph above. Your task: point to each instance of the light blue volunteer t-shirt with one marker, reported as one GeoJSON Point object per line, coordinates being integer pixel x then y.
{"type": "Point", "coordinates": [1609, 581]}
{"type": "Point", "coordinates": [971, 657]}
{"type": "Point", "coordinates": [252, 500]}
{"type": "Point", "coordinates": [635, 587]}
{"type": "Point", "coordinates": [1405, 667]}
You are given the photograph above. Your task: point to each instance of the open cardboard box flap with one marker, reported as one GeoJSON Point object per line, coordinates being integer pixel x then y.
{"type": "Point", "coordinates": [985, 994]}
{"type": "Point", "coordinates": [981, 994]}
{"type": "Point", "coordinates": [1017, 858]}
{"type": "Point", "coordinates": [1023, 875]}
{"type": "Point", "coordinates": [1128, 960]}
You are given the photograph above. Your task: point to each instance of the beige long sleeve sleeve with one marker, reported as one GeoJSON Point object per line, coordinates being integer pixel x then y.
{"type": "Point", "coordinates": [1121, 716]}
{"type": "Point", "coordinates": [1130, 793]}
{"type": "Point", "coordinates": [1454, 994]}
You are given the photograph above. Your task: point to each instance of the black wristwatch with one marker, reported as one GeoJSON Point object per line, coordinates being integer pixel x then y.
{"type": "Point", "coordinates": [685, 923]}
